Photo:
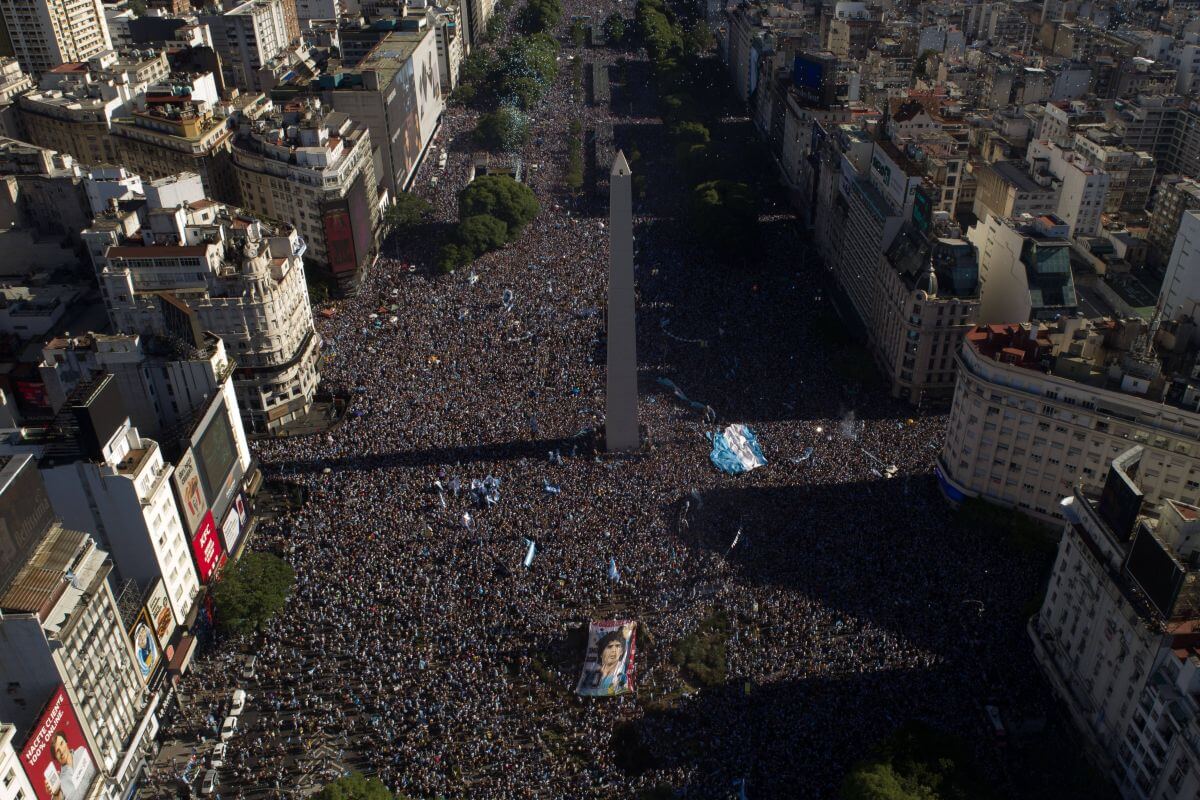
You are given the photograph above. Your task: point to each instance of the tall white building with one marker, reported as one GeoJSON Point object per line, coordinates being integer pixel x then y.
{"type": "Point", "coordinates": [1114, 633]}
{"type": "Point", "coordinates": [48, 33]}
{"type": "Point", "coordinates": [1024, 268]}
{"type": "Point", "coordinates": [1040, 408]}
{"type": "Point", "coordinates": [14, 785]}
{"type": "Point", "coordinates": [247, 37]}
{"type": "Point", "coordinates": [104, 478]}
{"type": "Point", "coordinates": [203, 266]}
{"type": "Point", "coordinates": [1082, 187]}
{"type": "Point", "coordinates": [61, 631]}
{"type": "Point", "coordinates": [1180, 290]}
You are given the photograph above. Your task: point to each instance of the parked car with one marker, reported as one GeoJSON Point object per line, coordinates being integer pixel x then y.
{"type": "Point", "coordinates": [209, 784]}
{"type": "Point", "coordinates": [228, 728]}
{"type": "Point", "coordinates": [239, 702]}
{"type": "Point", "coordinates": [248, 671]}
{"type": "Point", "coordinates": [217, 757]}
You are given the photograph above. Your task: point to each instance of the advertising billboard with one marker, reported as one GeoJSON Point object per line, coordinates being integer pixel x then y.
{"type": "Point", "coordinates": [190, 493]}
{"type": "Point", "coordinates": [216, 453]}
{"type": "Point", "coordinates": [230, 529]}
{"type": "Point", "coordinates": [146, 650]}
{"type": "Point", "coordinates": [206, 547]}
{"type": "Point", "coordinates": [56, 757]}
{"type": "Point", "coordinates": [25, 515]}
{"type": "Point", "coordinates": [608, 663]}
{"type": "Point", "coordinates": [814, 80]}
{"type": "Point", "coordinates": [162, 618]}
{"type": "Point", "coordinates": [922, 212]}
{"type": "Point", "coordinates": [339, 240]}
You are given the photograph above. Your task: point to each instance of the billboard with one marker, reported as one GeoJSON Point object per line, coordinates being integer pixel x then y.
{"type": "Point", "coordinates": [56, 757]}
{"type": "Point", "coordinates": [814, 80]}
{"type": "Point", "coordinates": [358, 200]}
{"type": "Point", "coordinates": [25, 515]}
{"type": "Point", "coordinates": [608, 663]}
{"type": "Point", "coordinates": [216, 453]}
{"type": "Point", "coordinates": [922, 212]}
{"type": "Point", "coordinates": [230, 529]}
{"type": "Point", "coordinates": [339, 240]}
{"type": "Point", "coordinates": [206, 547]}
{"type": "Point", "coordinates": [146, 650]}
{"type": "Point", "coordinates": [162, 618]}
{"type": "Point", "coordinates": [192, 501]}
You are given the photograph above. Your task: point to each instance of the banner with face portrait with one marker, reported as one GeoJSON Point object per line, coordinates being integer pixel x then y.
{"type": "Point", "coordinates": [56, 757]}
{"type": "Point", "coordinates": [608, 663]}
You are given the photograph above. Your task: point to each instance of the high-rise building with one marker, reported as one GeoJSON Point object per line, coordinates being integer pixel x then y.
{"type": "Point", "coordinates": [47, 33]}
{"type": "Point", "coordinates": [202, 266]}
{"type": "Point", "coordinates": [248, 36]}
{"type": "Point", "coordinates": [1082, 188]}
{"type": "Point", "coordinates": [14, 785]}
{"type": "Point", "coordinates": [63, 640]}
{"type": "Point", "coordinates": [316, 167]}
{"type": "Point", "coordinates": [1176, 194]}
{"type": "Point", "coordinates": [1114, 633]}
{"type": "Point", "coordinates": [1180, 291]}
{"type": "Point", "coordinates": [1024, 268]}
{"type": "Point", "coordinates": [1042, 407]}
{"type": "Point", "coordinates": [396, 92]}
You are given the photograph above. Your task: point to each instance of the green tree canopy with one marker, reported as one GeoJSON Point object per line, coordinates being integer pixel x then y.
{"type": "Point", "coordinates": [355, 786]}
{"type": "Point", "coordinates": [406, 211]}
{"type": "Point", "coordinates": [501, 197]}
{"type": "Point", "coordinates": [916, 763]}
{"type": "Point", "coordinates": [541, 15]}
{"type": "Point", "coordinates": [502, 130]}
{"type": "Point", "coordinates": [614, 29]}
{"type": "Point", "coordinates": [480, 234]}
{"type": "Point", "coordinates": [725, 213]}
{"type": "Point", "coordinates": [251, 591]}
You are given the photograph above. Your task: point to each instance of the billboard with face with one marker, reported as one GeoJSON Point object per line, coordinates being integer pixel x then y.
{"type": "Point", "coordinates": [162, 618]}
{"type": "Point", "coordinates": [191, 494]}
{"type": "Point", "coordinates": [56, 757]}
{"type": "Point", "coordinates": [206, 547]}
{"type": "Point", "coordinates": [608, 663]}
{"type": "Point", "coordinates": [145, 646]}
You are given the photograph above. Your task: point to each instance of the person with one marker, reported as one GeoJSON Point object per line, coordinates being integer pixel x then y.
{"type": "Point", "coordinates": [147, 652]}
{"type": "Point", "coordinates": [75, 770]}
{"type": "Point", "coordinates": [612, 650]}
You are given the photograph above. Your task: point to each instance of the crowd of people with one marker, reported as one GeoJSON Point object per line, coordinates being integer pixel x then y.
{"type": "Point", "coordinates": [420, 649]}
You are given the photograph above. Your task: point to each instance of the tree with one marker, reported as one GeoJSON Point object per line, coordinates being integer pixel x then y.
{"type": "Point", "coordinates": [578, 33]}
{"type": "Point", "coordinates": [451, 257]}
{"type": "Point", "coordinates": [915, 763]}
{"type": "Point", "coordinates": [697, 39]}
{"type": "Point", "coordinates": [504, 129]}
{"type": "Point", "coordinates": [138, 7]}
{"type": "Point", "coordinates": [501, 197]}
{"type": "Point", "coordinates": [407, 211]}
{"type": "Point", "coordinates": [725, 213]}
{"type": "Point", "coordinates": [252, 591]}
{"type": "Point", "coordinates": [355, 786]}
{"type": "Point", "coordinates": [476, 78]}
{"type": "Point", "coordinates": [480, 234]}
{"type": "Point", "coordinates": [614, 29]}
{"type": "Point", "coordinates": [922, 65]}
{"type": "Point", "coordinates": [541, 15]}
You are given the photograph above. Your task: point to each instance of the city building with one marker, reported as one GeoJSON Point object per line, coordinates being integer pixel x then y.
{"type": "Point", "coordinates": [13, 84]}
{"type": "Point", "coordinates": [1024, 268]}
{"type": "Point", "coordinates": [1042, 407]}
{"type": "Point", "coordinates": [1130, 173]}
{"type": "Point", "coordinates": [201, 266]}
{"type": "Point", "coordinates": [1114, 635]}
{"type": "Point", "coordinates": [1176, 194]}
{"type": "Point", "coordinates": [63, 640]}
{"type": "Point", "coordinates": [475, 16]}
{"type": "Point", "coordinates": [14, 785]}
{"type": "Point", "coordinates": [396, 92]}
{"type": "Point", "coordinates": [314, 166]}
{"type": "Point", "coordinates": [1082, 188]}
{"type": "Point", "coordinates": [1006, 189]}
{"type": "Point", "coordinates": [247, 36]}
{"type": "Point", "coordinates": [1181, 284]}
{"type": "Point", "coordinates": [49, 33]}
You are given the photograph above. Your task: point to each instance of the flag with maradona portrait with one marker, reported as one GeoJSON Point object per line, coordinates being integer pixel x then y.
{"type": "Point", "coordinates": [608, 663]}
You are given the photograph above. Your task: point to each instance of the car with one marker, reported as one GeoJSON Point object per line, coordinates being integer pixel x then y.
{"type": "Point", "coordinates": [216, 758]}
{"type": "Point", "coordinates": [209, 783]}
{"type": "Point", "coordinates": [228, 728]}
{"type": "Point", "coordinates": [248, 670]}
{"type": "Point", "coordinates": [238, 705]}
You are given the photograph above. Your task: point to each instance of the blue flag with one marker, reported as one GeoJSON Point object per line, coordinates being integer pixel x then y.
{"type": "Point", "coordinates": [613, 575]}
{"type": "Point", "coordinates": [529, 553]}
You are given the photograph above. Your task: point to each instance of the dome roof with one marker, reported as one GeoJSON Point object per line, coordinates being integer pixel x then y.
{"type": "Point", "coordinates": [928, 282]}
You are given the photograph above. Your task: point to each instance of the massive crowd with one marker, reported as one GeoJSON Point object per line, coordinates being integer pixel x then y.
{"type": "Point", "coordinates": [417, 647]}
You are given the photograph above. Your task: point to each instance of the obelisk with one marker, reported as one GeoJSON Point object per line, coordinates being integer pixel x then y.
{"type": "Point", "coordinates": [621, 412]}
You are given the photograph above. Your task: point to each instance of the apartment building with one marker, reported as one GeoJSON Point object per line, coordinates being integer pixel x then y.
{"type": "Point", "coordinates": [1113, 635]}
{"type": "Point", "coordinates": [62, 634]}
{"type": "Point", "coordinates": [13, 83]}
{"type": "Point", "coordinates": [1042, 407]}
{"type": "Point", "coordinates": [47, 34]}
{"type": "Point", "coordinates": [1180, 290]}
{"type": "Point", "coordinates": [303, 163]}
{"type": "Point", "coordinates": [14, 784]}
{"type": "Point", "coordinates": [205, 266]}
{"type": "Point", "coordinates": [1130, 172]}
{"type": "Point", "coordinates": [396, 92]}
{"type": "Point", "coordinates": [1176, 195]}
{"type": "Point", "coordinates": [247, 37]}
{"type": "Point", "coordinates": [1082, 188]}
{"type": "Point", "coordinates": [1006, 189]}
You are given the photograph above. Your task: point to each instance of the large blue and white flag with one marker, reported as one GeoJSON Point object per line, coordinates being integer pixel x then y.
{"type": "Point", "coordinates": [613, 575]}
{"type": "Point", "coordinates": [736, 450]}
{"type": "Point", "coordinates": [529, 553]}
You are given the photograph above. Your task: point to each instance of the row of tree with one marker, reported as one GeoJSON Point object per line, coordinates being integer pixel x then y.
{"type": "Point", "coordinates": [723, 210]}
{"type": "Point", "coordinates": [492, 211]}
{"type": "Point", "coordinates": [516, 73]}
